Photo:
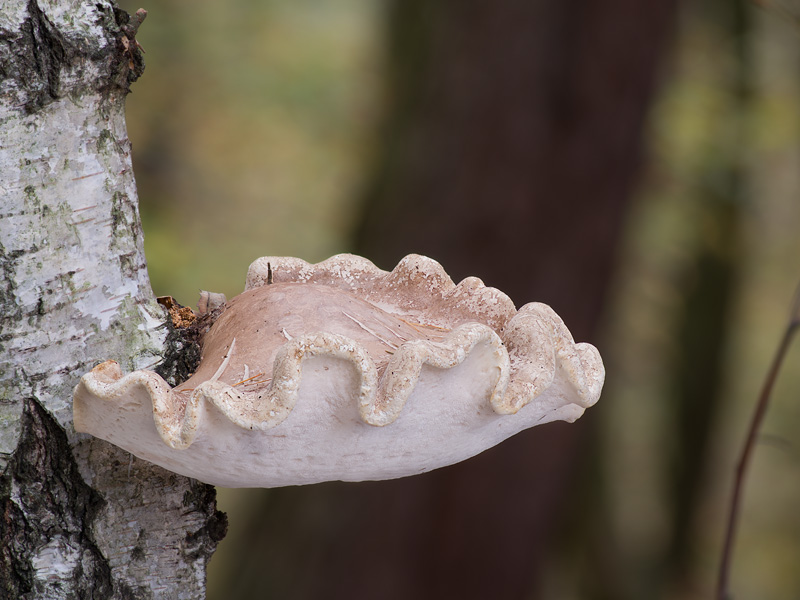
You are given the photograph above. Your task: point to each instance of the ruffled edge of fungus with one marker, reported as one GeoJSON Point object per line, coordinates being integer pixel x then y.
{"type": "Point", "coordinates": [528, 350]}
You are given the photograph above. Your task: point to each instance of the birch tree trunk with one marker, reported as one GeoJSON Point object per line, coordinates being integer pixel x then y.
{"type": "Point", "coordinates": [80, 518]}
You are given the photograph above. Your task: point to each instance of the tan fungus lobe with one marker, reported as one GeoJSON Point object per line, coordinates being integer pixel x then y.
{"type": "Point", "coordinates": [342, 371]}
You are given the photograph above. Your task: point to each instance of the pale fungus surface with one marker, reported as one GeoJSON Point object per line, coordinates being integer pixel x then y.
{"type": "Point", "coordinates": [342, 371]}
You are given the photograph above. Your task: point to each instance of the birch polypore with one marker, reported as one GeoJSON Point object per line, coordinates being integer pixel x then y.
{"type": "Point", "coordinates": [341, 371]}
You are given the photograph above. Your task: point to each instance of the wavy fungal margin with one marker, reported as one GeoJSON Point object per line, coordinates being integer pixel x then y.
{"type": "Point", "coordinates": [340, 370]}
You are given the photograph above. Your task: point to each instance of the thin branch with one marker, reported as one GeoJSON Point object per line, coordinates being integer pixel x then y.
{"type": "Point", "coordinates": [749, 445]}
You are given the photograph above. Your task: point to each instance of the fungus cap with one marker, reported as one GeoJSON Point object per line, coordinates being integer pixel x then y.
{"type": "Point", "coordinates": [342, 371]}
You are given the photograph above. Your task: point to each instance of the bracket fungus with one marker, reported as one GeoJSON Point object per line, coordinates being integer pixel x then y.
{"type": "Point", "coordinates": [342, 371]}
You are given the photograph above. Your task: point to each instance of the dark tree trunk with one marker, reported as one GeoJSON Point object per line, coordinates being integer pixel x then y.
{"type": "Point", "coordinates": [513, 143]}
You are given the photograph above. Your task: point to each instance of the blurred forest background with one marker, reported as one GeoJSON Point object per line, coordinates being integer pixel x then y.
{"type": "Point", "coordinates": [634, 164]}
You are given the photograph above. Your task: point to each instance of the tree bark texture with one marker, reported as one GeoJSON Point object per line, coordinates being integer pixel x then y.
{"type": "Point", "coordinates": [511, 150]}
{"type": "Point", "coordinates": [80, 518]}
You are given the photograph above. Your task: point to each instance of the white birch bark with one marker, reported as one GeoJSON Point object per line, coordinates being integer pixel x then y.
{"type": "Point", "coordinates": [80, 518]}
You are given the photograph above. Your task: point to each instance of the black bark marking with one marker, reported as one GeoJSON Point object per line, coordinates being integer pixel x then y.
{"type": "Point", "coordinates": [181, 355]}
{"type": "Point", "coordinates": [203, 542]}
{"type": "Point", "coordinates": [44, 500]}
{"type": "Point", "coordinates": [47, 52]}
{"type": "Point", "coordinates": [183, 348]}
{"type": "Point", "coordinates": [34, 58]}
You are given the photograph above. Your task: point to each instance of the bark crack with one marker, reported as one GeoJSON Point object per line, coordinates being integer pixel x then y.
{"type": "Point", "coordinates": [37, 58]}
{"type": "Point", "coordinates": [43, 497]}
{"type": "Point", "coordinates": [49, 49]}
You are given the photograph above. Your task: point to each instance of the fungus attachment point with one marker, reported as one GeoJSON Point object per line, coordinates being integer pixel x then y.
{"type": "Point", "coordinates": [360, 374]}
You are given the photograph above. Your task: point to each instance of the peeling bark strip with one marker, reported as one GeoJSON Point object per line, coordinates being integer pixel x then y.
{"type": "Point", "coordinates": [80, 518]}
